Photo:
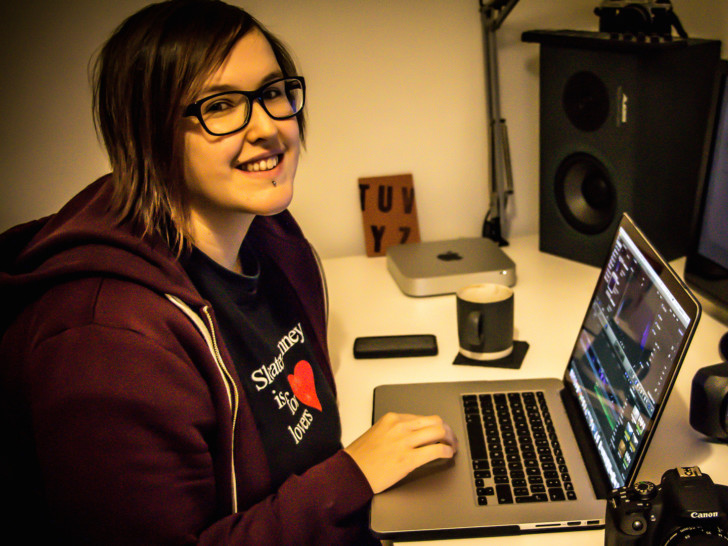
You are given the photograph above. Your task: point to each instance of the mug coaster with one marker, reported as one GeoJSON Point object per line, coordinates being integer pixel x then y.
{"type": "Point", "coordinates": [513, 360]}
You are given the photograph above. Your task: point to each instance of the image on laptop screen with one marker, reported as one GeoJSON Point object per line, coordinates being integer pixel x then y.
{"type": "Point", "coordinates": [624, 356]}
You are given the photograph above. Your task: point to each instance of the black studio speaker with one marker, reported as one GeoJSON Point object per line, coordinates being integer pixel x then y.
{"type": "Point", "coordinates": [622, 125]}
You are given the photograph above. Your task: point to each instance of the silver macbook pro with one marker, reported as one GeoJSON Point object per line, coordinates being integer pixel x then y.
{"type": "Point", "coordinates": [542, 454]}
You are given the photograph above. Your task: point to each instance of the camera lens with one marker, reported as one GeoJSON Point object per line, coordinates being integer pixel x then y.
{"type": "Point", "coordinates": [634, 18]}
{"type": "Point", "coordinates": [697, 536]}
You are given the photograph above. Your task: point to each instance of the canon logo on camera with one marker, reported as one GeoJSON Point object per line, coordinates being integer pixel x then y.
{"type": "Point", "coordinates": [700, 515]}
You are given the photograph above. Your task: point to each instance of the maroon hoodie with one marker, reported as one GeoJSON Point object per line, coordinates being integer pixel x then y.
{"type": "Point", "coordinates": [126, 422]}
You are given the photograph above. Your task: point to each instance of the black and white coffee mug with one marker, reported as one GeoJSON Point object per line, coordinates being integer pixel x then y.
{"type": "Point", "coordinates": [485, 321]}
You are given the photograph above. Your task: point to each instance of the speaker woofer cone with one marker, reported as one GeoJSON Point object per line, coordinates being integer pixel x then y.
{"type": "Point", "coordinates": [585, 193]}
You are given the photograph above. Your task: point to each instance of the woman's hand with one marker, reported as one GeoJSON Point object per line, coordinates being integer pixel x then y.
{"type": "Point", "coordinates": [399, 443]}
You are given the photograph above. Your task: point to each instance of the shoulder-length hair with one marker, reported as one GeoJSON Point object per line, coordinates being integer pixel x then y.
{"type": "Point", "coordinates": [144, 76]}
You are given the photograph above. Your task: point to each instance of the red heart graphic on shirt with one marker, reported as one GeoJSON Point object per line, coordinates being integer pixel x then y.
{"type": "Point", "coordinates": [303, 385]}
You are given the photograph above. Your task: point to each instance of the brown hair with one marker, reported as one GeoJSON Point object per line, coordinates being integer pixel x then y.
{"type": "Point", "coordinates": [153, 65]}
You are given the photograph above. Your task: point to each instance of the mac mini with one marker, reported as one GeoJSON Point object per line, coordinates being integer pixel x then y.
{"type": "Point", "coordinates": [443, 267]}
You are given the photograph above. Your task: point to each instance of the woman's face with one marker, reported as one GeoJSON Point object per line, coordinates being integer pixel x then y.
{"type": "Point", "coordinates": [231, 177]}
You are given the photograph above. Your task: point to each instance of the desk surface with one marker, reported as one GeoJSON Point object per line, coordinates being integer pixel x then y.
{"type": "Point", "coordinates": [551, 298]}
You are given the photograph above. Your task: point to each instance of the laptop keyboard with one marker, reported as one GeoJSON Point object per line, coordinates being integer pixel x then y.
{"type": "Point", "coordinates": [515, 453]}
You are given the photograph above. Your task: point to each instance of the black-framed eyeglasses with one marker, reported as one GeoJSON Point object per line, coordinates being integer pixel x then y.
{"type": "Point", "coordinates": [228, 112]}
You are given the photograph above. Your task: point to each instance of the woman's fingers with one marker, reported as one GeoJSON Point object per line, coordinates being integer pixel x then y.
{"type": "Point", "coordinates": [434, 431]}
{"type": "Point", "coordinates": [399, 443]}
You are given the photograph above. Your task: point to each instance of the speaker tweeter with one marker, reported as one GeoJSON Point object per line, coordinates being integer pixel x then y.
{"type": "Point", "coordinates": [586, 101]}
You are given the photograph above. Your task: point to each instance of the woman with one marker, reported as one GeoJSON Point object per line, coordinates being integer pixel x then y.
{"type": "Point", "coordinates": [164, 364]}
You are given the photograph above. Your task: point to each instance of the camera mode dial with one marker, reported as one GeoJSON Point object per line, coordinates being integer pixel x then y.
{"type": "Point", "coordinates": [645, 490]}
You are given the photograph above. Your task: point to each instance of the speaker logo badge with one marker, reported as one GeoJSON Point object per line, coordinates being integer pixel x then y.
{"type": "Point", "coordinates": [622, 101]}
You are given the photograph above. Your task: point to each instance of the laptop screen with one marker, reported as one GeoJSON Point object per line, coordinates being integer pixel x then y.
{"type": "Point", "coordinates": [628, 350]}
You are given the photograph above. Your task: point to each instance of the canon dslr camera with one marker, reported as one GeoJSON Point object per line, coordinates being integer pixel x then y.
{"type": "Point", "coordinates": [649, 17]}
{"type": "Point", "coordinates": [687, 508]}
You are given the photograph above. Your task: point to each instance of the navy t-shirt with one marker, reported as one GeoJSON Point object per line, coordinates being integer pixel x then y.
{"type": "Point", "coordinates": [267, 336]}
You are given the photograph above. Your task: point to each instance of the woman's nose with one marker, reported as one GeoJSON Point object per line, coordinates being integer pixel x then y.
{"type": "Point", "coordinates": [261, 125]}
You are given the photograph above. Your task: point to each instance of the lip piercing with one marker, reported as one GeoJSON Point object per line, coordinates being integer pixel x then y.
{"type": "Point", "coordinates": [274, 182]}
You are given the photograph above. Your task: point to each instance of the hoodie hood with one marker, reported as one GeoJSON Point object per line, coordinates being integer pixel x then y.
{"type": "Point", "coordinates": [83, 239]}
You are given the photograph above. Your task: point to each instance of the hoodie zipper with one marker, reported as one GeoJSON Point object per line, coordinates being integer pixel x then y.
{"type": "Point", "coordinates": [324, 286]}
{"type": "Point", "coordinates": [207, 329]}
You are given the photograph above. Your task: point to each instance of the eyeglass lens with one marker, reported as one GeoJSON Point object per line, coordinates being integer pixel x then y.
{"type": "Point", "coordinates": [229, 112]}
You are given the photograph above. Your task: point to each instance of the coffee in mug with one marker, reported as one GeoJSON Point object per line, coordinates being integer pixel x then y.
{"type": "Point", "coordinates": [485, 321]}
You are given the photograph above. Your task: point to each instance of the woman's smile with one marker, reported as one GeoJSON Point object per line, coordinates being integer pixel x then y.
{"type": "Point", "coordinates": [264, 164]}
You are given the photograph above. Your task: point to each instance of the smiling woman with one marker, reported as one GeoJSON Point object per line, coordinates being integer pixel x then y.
{"type": "Point", "coordinates": [230, 176]}
{"type": "Point", "coordinates": [164, 373]}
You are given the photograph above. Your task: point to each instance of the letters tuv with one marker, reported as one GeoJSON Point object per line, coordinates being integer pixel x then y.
{"type": "Point", "coordinates": [388, 211]}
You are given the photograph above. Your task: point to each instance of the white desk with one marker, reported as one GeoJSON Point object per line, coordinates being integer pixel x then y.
{"type": "Point", "coordinates": [551, 297]}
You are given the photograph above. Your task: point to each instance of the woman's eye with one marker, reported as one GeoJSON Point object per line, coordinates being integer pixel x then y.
{"type": "Point", "coordinates": [217, 106]}
{"type": "Point", "coordinates": [272, 93]}
{"type": "Point", "coordinates": [223, 104]}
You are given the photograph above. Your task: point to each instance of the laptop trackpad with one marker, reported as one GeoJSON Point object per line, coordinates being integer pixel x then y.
{"type": "Point", "coordinates": [428, 473]}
